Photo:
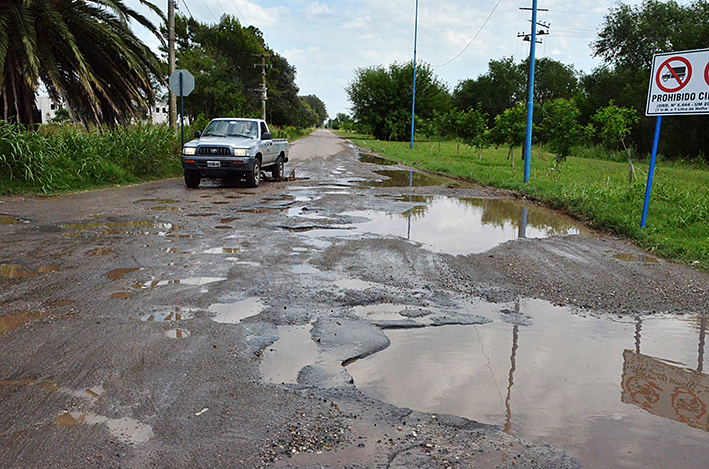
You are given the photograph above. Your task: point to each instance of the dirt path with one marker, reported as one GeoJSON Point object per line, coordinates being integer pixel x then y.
{"type": "Point", "coordinates": [134, 321]}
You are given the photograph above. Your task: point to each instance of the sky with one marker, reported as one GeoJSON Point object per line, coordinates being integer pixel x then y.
{"type": "Point", "coordinates": [327, 40]}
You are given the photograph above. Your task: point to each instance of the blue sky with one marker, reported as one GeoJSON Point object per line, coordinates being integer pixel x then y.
{"type": "Point", "coordinates": [327, 40]}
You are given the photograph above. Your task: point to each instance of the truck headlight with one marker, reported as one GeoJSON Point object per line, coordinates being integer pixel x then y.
{"type": "Point", "coordinates": [240, 151]}
{"type": "Point", "coordinates": [189, 150]}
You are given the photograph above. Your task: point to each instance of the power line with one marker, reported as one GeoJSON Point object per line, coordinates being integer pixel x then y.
{"type": "Point", "coordinates": [240, 13]}
{"type": "Point", "coordinates": [188, 9]}
{"type": "Point", "coordinates": [210, 11]}
{"type": "Point", "coordinates": [474, 37]}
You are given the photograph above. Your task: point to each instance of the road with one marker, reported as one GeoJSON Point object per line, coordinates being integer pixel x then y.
{"type": "Point", "coordinates": [138, 325]}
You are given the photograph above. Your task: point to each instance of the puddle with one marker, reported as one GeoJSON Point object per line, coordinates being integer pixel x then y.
{"type": "Point", "coordinates": [374, 159]}
{"type": "Point", "coordinates": [466, 226]}
{"type": "Point", "coordinates": [194, 281]}
{"type": "Point", "coordinates": [201, 214]}
{"type": "Point", "coordinates": [280, 364]}
{"type": "Point", "coordinates": [126, 429]}
{"type": "Point", "coordinates": [233, 313]}
{"type": "Point", "coordinates": [13, 322]}
{"type": "Point", "coordinates": [223, 250]}
{"type": "Point", "coordinates": [167, 316]}
{"type": "Point", "coordinates": [59, 303]}
{"type": "Point", "coordinates": [611, 392]}
{"type": "Point", "coordinates": [636, 258]}
{"type": "Point", "coordinates": [304, 269]}
{"type": "Point", "coordinates": [48, 269]}
{"type": "Point", "coordinates": [15, 271]}
{"type": "Point", "coordinates": [178, 333]}
{"type": "Point", "coordinates": [120, 295]}
{"type": "Point", "coordinates": [228, 220]}
{"type": "Point", "coordinates": [117, 226]}
{"type": "Point", "coordinates": [164, 208]}
{"type": "Point", "coordinates": [118, 274]}
{"type": "Point", "coordinates": [353, 284]}
{"type": "Point", "coordinates": [396, 178]}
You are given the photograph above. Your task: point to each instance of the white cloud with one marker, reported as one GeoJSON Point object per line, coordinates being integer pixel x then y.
{"type": "Point", "coordinates": [326, 40]}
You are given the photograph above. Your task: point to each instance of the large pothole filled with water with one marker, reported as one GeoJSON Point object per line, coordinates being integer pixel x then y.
{"type": "Point", "coordinates": [613, 392]}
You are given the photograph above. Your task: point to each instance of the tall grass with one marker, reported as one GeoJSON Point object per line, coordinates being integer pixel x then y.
{"type": "Point", "coordinates": [66, 158]}
{"type": "Point", "coordinates": [593, 190]}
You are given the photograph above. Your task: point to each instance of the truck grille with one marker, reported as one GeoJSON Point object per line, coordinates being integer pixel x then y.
{"type": "Point", "coordinates": [214, 151]}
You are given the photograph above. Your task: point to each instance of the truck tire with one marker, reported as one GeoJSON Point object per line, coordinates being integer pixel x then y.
{"type": "Point", "coordinates": [192, 178]}
{"type": "Point", "coordinates": [253, 177]}
{"type": "Point", "coordinates": [278, 169]}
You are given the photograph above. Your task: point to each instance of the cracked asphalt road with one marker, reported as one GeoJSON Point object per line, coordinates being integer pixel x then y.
{"type": "Point", "coordinates": [134, 321]}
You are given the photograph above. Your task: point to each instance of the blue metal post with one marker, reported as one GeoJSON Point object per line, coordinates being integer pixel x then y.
{"type": "Point", "coordinates": [413, 100]}
{"type": "Point", "coordinates": [530, 97]}
{"type": "Point", "coordinates": [651, 171]}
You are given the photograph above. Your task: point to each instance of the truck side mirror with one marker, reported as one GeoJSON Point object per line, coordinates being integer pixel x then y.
{"type": "Point", "coordinates": [266, 136]}
{"type": "Point", "coordinates": [197, 134]}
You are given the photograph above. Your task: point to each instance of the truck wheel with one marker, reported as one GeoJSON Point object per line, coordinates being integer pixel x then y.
{"type": "Point", "coordinates": [192, 178]}
{"type": "Point", "coordinates": [253, 177]}
{"type": "Point", "coordinates": [278, 169]}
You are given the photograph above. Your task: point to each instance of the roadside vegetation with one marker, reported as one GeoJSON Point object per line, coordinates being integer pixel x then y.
{"type": "Point", "coordinates": [594, 189]}
{"type": "Point", "coordinates": [61, 158]}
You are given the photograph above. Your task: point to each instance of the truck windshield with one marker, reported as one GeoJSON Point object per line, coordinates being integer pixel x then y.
{"type": "Point", "coordinates": [231, 128]}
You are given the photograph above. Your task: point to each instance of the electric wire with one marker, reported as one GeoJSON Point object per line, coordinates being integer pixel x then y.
{"type": "Point", "coordinates": [210, 11]}
{"type": "Point", "coordinates": [240, 13]}
{"type": "Point", "coordinates": [188, 8]}
{"type": "Point", "coordinates": [474, 37]}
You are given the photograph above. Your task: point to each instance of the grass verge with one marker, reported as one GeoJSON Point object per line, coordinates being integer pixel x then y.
{"type": "Point", "coordinates": [596, 191]}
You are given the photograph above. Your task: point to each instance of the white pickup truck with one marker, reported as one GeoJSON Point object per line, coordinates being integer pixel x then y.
{"type": "Point", "coordinates": [233, 148]}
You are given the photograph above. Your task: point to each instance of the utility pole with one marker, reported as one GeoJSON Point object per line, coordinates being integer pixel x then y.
{"type": "Point", "coordinates": [413, 99]}
{"type": "Point", "coordinates": [171, 59]}
{"type": "Point", "coordinates": [264, 92]}
{"type": "Point", "coordinates": [532, 38]}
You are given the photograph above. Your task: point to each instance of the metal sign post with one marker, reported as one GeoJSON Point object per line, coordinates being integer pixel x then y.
{"type": "Point", "coordinates": [182, 84]}
{"type": "Point", "coordinates": [679, 85]}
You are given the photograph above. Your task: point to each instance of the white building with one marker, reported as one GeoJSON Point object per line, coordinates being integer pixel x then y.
{"type": "Point", "coordinates": [159, 114]}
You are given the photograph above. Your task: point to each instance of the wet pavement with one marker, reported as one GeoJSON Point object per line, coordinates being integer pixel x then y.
{"type": "Point", "coordinates": [362, 314]}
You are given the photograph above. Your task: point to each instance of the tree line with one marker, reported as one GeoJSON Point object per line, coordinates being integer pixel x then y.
{"type": "Point", "coordinates": [86, 57]}
{"type": "Point", "coordinates": [604, 108]}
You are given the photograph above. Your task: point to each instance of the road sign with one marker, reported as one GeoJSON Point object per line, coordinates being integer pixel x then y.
{"type": "Point", "coordinates": [187, 82]}
{"type": "Point", "coordinates": [677, 84]}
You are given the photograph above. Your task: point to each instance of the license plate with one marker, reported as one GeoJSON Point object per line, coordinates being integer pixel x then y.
{"type": "Point", "coordinates": [214, 164]}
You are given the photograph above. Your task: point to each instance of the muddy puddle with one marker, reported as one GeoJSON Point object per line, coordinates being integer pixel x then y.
{"type": "Point", "coordinates": [613, 392]}
{"type": "Point", "coordinates": [394, 178]}
{"type": "Point", "coordinates": [374, 159]}
{"type": "Point", "coordinates": [453, 225]}
{"type": "Point", "coordinates": [234, 313]}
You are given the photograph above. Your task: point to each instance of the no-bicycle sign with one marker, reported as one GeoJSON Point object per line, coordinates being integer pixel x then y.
{"type": "Point", "coordinates": [679, 84]}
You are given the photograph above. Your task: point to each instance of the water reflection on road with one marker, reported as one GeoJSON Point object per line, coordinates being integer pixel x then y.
{"type": "Point", "coordinates": [613, 392]}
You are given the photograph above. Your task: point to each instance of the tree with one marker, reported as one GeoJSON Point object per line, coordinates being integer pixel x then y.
{"type": "Point", "coordinates": [627, 41]}
{"type": "Point", "coordinates": [501, 88]}
{"type": "Point", "coordinates": [560, 127]}
{"type": "Point", "coordinates": [473, 129]}
{"type": "Point", "coordinates": [615, 124]}
{"type": "Point", "coordinates": [83, 51]}
{"type": "Point", "coordinates": [552, 79]}
{"type": "Point", "coordinates": [381, 98]}
{"type": "Point", "coordinates": [510, 129]}
{"type": "Point", "coordinates": [318, 107]}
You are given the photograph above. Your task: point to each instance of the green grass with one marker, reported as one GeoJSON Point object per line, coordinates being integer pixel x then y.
{"type": "Point", "coordinates": [593, 190]}
{"type": "Point", "coordinates": [63, 158]}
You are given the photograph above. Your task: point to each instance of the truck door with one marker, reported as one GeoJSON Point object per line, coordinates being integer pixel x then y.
{"type": "Point", "coordinates": [269, 150]}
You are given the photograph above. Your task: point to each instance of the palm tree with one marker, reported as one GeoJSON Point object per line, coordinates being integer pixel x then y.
{"type": "Point", "coordinates": [84, 53]}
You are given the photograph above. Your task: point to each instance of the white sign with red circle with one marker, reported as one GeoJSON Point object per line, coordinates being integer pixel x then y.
{"type": "Point", "coordinates": [679, 84]}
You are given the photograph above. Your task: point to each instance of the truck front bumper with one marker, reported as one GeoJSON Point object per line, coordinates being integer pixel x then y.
{"type": "Point", "coordinates": [218, 167]}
